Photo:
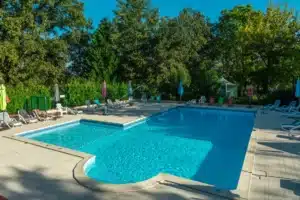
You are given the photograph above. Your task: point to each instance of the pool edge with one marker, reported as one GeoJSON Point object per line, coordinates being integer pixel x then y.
{"type": "Point", "coordinates": [160, 179]}
{"type": "Point", "coordinates": [79, 175]}
{"type": "Point", "coordinates": [243, 187]}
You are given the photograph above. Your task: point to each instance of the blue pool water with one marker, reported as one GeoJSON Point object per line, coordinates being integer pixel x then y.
{"type": "Point", "coordinates": [205, 145]}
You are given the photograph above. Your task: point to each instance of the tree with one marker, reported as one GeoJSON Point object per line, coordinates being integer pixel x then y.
{"type": "Point", "coordinates": [102, 60]}
{"type": "Point", "coordinates": [135, 25]}
{"type": "Point", "coordinates": [179, 42]}
{"type": "Point", "coordinates": [235, 58]}
{"type": "Point", "coordinates": [33, 38]}
{"type": "Point", "coordinates": [274, 41]}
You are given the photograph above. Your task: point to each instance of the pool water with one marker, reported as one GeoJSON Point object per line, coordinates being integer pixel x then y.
{"type": "Point", "coordinates": [206, 145]}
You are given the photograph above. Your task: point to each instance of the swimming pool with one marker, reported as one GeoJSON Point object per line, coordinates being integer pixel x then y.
{"type": "Point", "coordinates": [206, 145]}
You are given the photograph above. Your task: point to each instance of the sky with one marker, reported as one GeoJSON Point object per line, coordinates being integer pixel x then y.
{"type": "Point", "coordinates": [98, 9]}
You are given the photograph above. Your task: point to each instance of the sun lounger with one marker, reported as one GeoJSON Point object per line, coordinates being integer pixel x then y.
{"type": "Point", "coordinates": [120, 103]}
{"type": "Point", "coordinates": [8, 121]}
{"type": "Point", "coordinates": [288, 108]}
{"type": "Point", "coordinates": [193, 101]}
{"type": "Point", "coordinates": [74, 112]}
{"type": "Point", "coordinates": [272, 106]}
{"type": "Point", "coordinates": [26, 118]}
{"type": "Point", "coordinates": [295, 114]}
{"type": "Point", "coordinates": [202, 100]}
{"type": "Point", "coordinates": [288, 127]}
{"type": "Point", "coordinates": [144, 98]}
{"type": "Point", "coordinates": [66, 110]}
{"type": "Point", "coordinates": [110, 104]}
{"type": "Point", "coordinates": [89, 106]}
{"type": "Point", "coordinates": [98, 103]}
{"type": "Point", "coordinates": [292, 128]}
{"type": "Point", "coordinates": [60, 109]}
{"type": "Point", "coordinates": [42, 115]}
{"type": "Point", "coordinates": [294, 109]}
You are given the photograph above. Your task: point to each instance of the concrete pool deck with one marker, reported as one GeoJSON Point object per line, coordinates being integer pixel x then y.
{"type": "Point", "coordinates": [31, 172]}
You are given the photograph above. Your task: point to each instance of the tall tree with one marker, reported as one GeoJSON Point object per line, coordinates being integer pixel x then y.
{"type": "Point", "coordinates": [179, 42]}
{"type": "Point", "coordinates": [33, 38]}
{"type": "Point", "coordinates": [235, 58]}
{"type": "Point", "coordinates": [259, 48]}
{"type": "Point", "coordinates": [102, 60]}
{"type": "Point", "coordinates": [273, 39]}
{"type": "Point", "coordinates": [135, 22]}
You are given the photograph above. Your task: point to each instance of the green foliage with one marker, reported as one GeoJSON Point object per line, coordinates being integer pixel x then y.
{"type": "Point", "coordinates": [272, 40]}
{"type": "Point", "coordinates": [101, 58]}
{"type": "Point", "coordinates": [35, 37]}
{"type": "Point", "coordinates": [79, 90]}
{"type": "Point", "coordinates": [117, 91]}
{"type": "Point", "coordinates": [48, 42]}
{"type": "Point", "coordinates": [20, 94]}
{"type": "Point", "coordinates": [259, 48]}
{"type": "Point", "coordinates": [135, 22]}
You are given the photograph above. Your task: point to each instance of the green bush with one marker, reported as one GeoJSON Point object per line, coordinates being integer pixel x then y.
{"type": "Point", "coordinates": [20, 94]}
{"type": "Point", "coordinates": [79, 90]}
{"type": "Point", "coordinates": [117, 91]}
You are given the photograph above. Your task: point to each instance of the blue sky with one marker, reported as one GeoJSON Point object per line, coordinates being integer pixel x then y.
{"type": "Point", "coordinates": [98, 9]}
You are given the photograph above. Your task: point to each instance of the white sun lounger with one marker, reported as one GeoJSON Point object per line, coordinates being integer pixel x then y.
{"type": "Point", "coordinates": [288, 108]}
{"type": "Point", "coordinates": [288, 127]}
{"type": "Point", "coordinates": [292, 128]}
{"type": "Point", "coordinates": [120, 103]}
{"type": "Point", "coordinates": [7, 121]}
{"type": "Point", "coordinates": [202, 100]}
{"type": "Point", "coordinates": [272, 106]}
{"type": "Point", "coordinates": [65, 110]}
{"type": "Point", "coordinates": [62, 110]}
{"type": "Point", "coordinates": [295, 109]}
{"type": "Point", "coordinates": [193, 101]}
{"type": "Point", "coordinates": [291, 115]}
{"type": "Point", "coordinates": [110, 104]}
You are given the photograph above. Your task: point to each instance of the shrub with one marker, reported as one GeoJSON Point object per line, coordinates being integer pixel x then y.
{"type": "Point", "coordinates": [79, 90]}
{"type": "Point", "coordinates": [117, 91]}
{"type": "Point", "coordinates": [20, 94]}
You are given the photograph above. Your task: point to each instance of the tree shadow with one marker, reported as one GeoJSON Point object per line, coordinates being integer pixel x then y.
{"type": "Point", "coordinates": [292, 137]}
{"type": "Point", "coordinates": [271, 121]}
{"type": "Point", "coordinates": [292, 185]}
{"type": "Point", "coordinates": [34, 184]}
{"type": "Point", "coordinates": [289, 147]}
{"type": "Point", "coordinates": [213, 192]}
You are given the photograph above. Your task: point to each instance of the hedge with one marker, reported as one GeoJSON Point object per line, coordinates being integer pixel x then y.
{"type": "Point", "coordinates": [20, 94]}
{"type": "Point", "coordinates": [77, 91]}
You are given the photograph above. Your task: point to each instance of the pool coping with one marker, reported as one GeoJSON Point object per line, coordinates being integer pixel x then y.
{"type": "Point", "coordinates": [79, 175]}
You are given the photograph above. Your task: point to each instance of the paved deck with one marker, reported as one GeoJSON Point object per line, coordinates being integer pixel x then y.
{"type": "Point", "coordinates": [31, 172]}
{"type": "Point", "coordinates": [276, 172]}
